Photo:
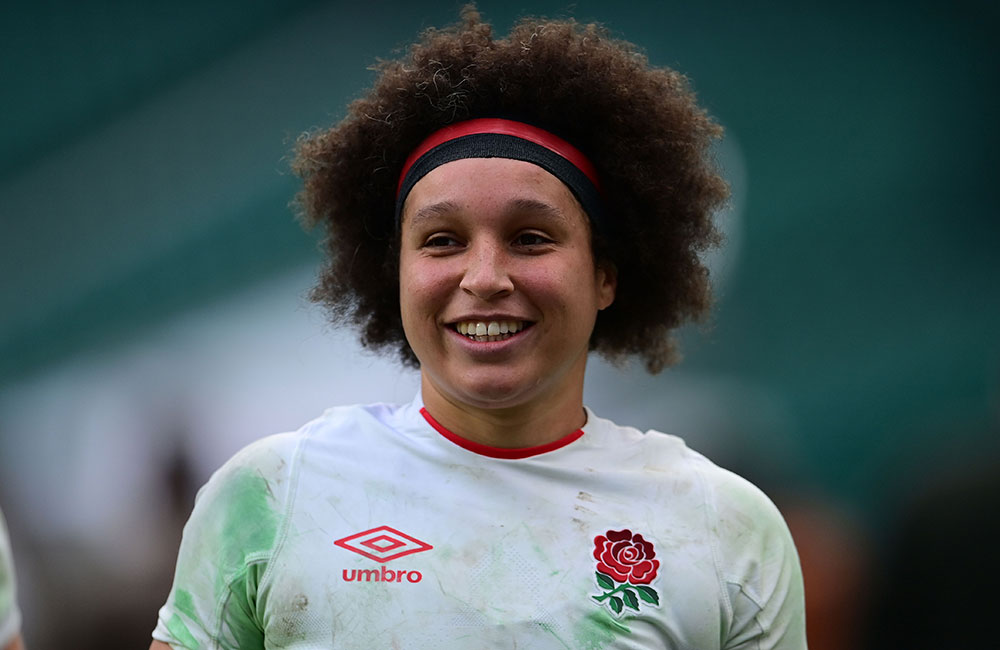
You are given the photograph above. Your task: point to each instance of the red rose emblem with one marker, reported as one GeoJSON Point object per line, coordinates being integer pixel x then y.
{"type": "Point", "coordinates": [626, 557]}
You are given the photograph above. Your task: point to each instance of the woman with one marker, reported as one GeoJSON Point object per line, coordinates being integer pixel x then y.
{"type": "Point", "coordinates": [496, 209]}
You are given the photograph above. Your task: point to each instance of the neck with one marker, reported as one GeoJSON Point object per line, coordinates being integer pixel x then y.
{"type": "Point", "coordinates": [510, 427]}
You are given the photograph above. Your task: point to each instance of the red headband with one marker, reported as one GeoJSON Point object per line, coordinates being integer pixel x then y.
{"type": "Point", "coordinates": [500, 126]}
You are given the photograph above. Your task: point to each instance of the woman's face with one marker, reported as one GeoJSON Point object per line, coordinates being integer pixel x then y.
{"type": "Point", "coordinates": [498, 287]}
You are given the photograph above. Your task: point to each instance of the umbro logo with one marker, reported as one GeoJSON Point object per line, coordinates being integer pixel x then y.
{"type": "Point", "coordinates": [382, 544]}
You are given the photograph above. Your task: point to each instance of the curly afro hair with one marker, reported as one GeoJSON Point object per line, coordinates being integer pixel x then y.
{"type": "Point", "coordinates": [640, 125]}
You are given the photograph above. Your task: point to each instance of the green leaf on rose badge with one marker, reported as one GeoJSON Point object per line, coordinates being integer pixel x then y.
{"type": "Point", "coordinates": [648, 594]}
{"type": "Point", "coordinates": [604, 581]}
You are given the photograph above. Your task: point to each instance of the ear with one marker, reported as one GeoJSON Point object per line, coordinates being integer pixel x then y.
{"type": "Point", "coordinates": [606, 282]}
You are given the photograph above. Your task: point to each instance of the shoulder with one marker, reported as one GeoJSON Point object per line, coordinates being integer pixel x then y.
{"type": "Point", "coordinates": [238, 513]}
{"type": "Point", "coordinates": [756, 564]}
{"type": "Point", "coordinates": [739, 509]}
{"type": "Point", "coordinates": [750, 542]}
{"type": "Point", "coordinates": [262, 476]}
{"type": "Point", "coordinates": [745, 527]}
{"type": "Point", "coordinates": [256, 473]}
{"type": "Point", "coordinates": [756, 561]}
{"type": "Point", "coordinates": [666, 457]}
{"type": "Point", "coordinates": [276, 455]}
{"type": "Point", "coordinates": [735, 510]}
{"type": "Point", "coordinates": [735, 507]}
{"type": "Point", "coordinates": [351, 420]}
{"type": "Point", "coordinates": [654, 450]}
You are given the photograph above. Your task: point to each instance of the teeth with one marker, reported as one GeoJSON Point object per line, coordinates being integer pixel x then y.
{"type": "Point", "coordinates": [489, 331]}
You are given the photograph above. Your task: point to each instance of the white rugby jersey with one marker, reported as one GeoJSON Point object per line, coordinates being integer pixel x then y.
{"type": "Point", "coordinates": [374, 527]}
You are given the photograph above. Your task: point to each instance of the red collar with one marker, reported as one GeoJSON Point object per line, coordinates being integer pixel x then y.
{"type": "Point", "coordinates": [500, 452]}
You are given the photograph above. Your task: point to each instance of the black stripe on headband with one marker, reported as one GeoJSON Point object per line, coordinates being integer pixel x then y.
{"type": "Point", "coordinates": [500, 145]}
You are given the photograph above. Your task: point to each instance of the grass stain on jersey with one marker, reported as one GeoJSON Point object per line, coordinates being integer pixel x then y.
{"type": "Point", "coordinates": [597, 630]}
{"type": "Point", "coordinates": [246, 627]}
{"type": "Point", "coordinates": [551, 630]}
{"type": "Point", "coordinates": [249, 522]}
{"type": "Point", "coordinates": [180, 631]}
{"type": "Point", "coordinates": [233, 524]}
{"type": "Point", "coordinates": [185, 604]}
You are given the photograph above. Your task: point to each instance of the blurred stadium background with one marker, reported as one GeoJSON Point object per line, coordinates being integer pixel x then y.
{"type": "Point", "coordinates": [153, 280]}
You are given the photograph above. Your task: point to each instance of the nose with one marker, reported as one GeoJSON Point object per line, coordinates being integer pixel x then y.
{"type": "Point", "coordinates": [487, 275]}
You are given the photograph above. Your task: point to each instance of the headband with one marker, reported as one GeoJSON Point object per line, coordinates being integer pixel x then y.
{"type": "Point", "coordinates": [499, 138]}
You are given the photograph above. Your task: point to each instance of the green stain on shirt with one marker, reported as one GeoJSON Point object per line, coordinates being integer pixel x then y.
{"type": "Point", "coordinates": [246, 622]}
{"type": "Point", "coordinates": [233, 530]}
{"type": "Point", "coordinates": [598, 629]}
{"type": "Point", "coordinates": [185, 604]}
{"type": "Point", "coordinates": [248, 528]}
{"type": "Point", "coordinates": [179, 631]}
{"type": "Point", "coordinates": [551, 630]}
{"type": "Point", "coordinates": [249, 523]}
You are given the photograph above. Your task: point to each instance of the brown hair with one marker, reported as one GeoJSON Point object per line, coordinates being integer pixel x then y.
{"type": "Point", "coordinates": [639, 125]}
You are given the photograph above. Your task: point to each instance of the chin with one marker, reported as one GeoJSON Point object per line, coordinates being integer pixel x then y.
{"type": "Point", "coordinates": [491, 391]}
{"type": "Point", "coordinates": [492, 397]}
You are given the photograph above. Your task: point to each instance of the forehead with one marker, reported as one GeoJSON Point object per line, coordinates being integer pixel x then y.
{"type": "Point", "coordinates": [490, 185]}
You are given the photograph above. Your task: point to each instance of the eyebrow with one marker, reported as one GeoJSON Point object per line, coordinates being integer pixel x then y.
{"type": "Point", "coordinates": [540, 208]}
{"type": "Point", "coordinates": [522, 205]}
{"type": "Point", "coordinates": [433, 210]}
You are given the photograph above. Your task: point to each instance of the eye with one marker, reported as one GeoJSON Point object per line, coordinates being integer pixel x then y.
{"type": "Point", "coordinates": [531, 239]}
{"type": "Point", "coordinates": [441, 241]}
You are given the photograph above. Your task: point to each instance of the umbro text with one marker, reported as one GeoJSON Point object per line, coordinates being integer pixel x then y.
{"type": "Point", "coordinates": [385, 575]}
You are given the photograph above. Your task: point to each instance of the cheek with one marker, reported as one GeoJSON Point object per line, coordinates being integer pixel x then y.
{"type": "Point", "coordinates": [407, 289]}
{"type": "Point", "coordinates": [422, 286]}
{"type": "Point", "coordinates": [580, 294]}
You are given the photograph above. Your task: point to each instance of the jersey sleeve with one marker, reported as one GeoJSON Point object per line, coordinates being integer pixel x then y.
{"type": "Point", "coordinates": [234, 530]}
{"type": "Point", "coordinates": [10, 615]}
{"type": "Point", "coordinates": [758, 568]}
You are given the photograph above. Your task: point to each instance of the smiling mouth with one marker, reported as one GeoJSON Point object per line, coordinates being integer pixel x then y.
{"type": "Point", "coordinates": [486, 331]}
